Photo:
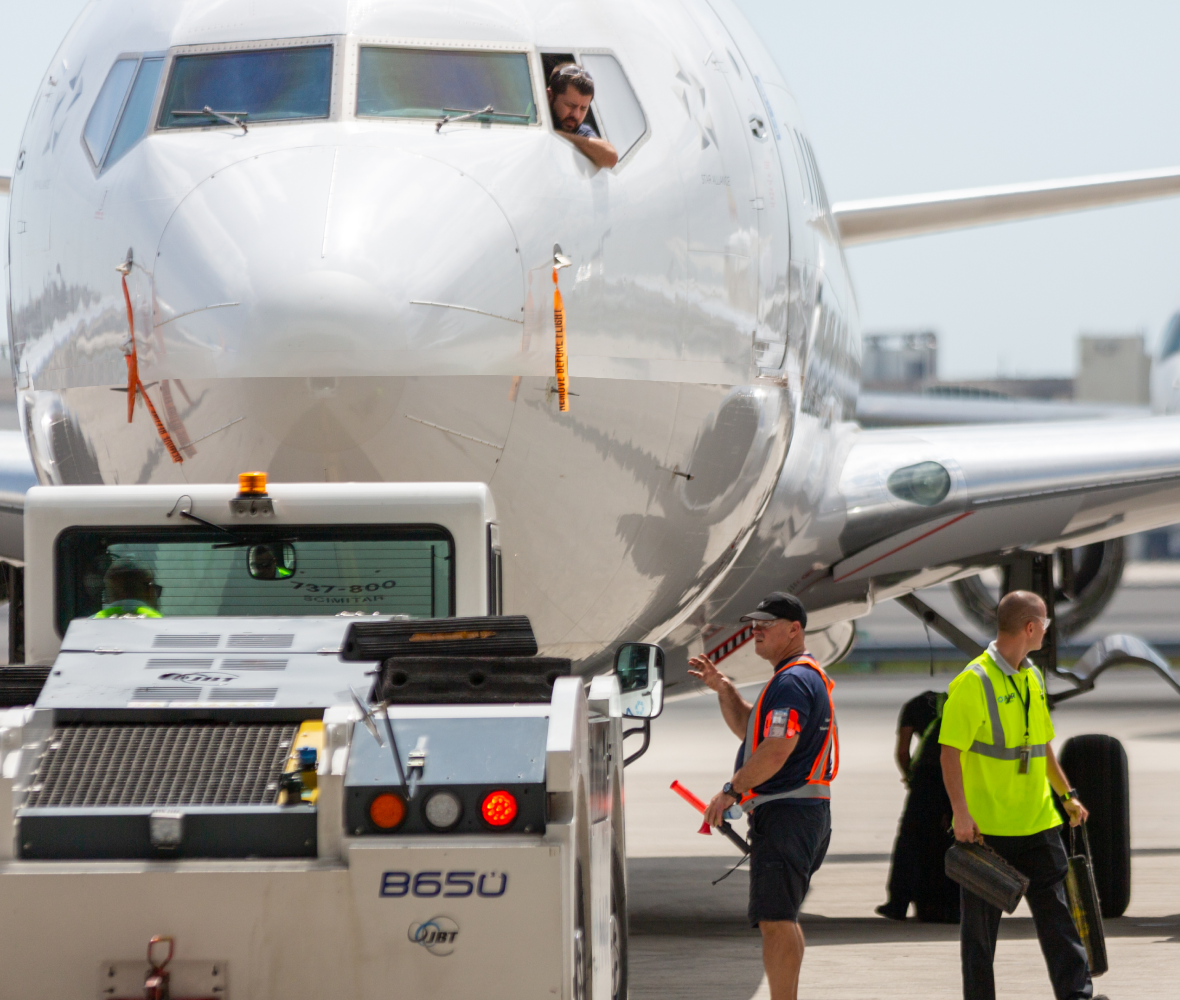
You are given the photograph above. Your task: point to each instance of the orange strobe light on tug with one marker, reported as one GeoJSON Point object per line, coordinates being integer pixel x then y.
{"type": "Point", "coordinates": [252, 484]}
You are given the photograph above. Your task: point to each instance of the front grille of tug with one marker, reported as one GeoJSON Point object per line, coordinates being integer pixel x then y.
{"type": "Point", "coordinates": [162, 766]}
{"type": "Point", "coordinates": [96, 786]}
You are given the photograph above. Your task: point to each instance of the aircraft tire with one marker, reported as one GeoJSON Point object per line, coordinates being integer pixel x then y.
{"type": "Point", "coordinates": [618, 929]}
{"type": "Point", "coordinates": [1097, 766]}
{"type": "Point", "coordinates": [581, 986]}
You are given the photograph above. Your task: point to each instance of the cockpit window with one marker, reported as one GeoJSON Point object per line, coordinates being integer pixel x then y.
{"type": "Point", "coordinates": [134, 121]}
{"type": "Point", "coordinates": [622, 118]}
{"type": "Point", "coordinates": [104, 114]}
{"type": "Point", "coordinates": [433, 83]}
{"type": "Point", "coordinates": [254, 86]}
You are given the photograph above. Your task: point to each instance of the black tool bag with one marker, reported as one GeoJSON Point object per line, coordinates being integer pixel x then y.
{"type": "Point", "coordinates": [1084, 906]}
{"type": "Point", "coordinates": [979, 869]}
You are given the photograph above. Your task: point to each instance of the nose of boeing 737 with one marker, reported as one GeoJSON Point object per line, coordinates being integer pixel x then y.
{"type": "Point", "coordinates": [338, 261]}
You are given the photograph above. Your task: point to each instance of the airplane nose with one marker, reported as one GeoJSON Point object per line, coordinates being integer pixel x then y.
{"type": "Point", "coordinates": [338, 261]}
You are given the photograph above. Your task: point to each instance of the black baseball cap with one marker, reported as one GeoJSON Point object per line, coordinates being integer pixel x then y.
{"type": "Point", "coordinates": [778, 605]}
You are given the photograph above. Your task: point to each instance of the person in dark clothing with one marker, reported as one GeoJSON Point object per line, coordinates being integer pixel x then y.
{"type": "Point", "coordinates": [923, 834]}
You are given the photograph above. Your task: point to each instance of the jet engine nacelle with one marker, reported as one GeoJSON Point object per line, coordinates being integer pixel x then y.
{"type": "Point", "coordinates": [1087, 579]}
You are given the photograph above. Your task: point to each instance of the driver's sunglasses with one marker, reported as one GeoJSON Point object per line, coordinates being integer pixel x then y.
{"type": "Point", "coordinates": [758, 625]}
{"type": "Point", "coordinates": [1045, 622]}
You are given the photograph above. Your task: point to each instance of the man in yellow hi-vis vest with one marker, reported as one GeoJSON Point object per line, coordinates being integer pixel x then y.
{"type": "Point", "coordinates": [129, 591]}
{"type": "Point", "coordinates": [1000, 773]}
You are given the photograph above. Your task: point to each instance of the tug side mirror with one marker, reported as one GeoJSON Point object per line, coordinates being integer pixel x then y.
{"type": "Point", "coordinates": [640, 670]}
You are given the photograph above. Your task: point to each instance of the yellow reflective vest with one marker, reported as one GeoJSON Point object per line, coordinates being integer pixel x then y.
{"type": "Point", "coordinates": [984, 719]}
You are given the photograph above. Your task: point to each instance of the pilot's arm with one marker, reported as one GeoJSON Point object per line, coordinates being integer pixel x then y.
{"type": "Point", "coordinates": [600, 152]}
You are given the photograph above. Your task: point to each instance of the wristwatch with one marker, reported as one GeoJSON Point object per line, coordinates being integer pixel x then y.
{"type": "Point", "coordinates": [1071, 794]}
{"type": "Point", "coordinates": [729, 790]}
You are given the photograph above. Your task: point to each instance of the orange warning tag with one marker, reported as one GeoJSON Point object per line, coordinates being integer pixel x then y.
{"type": "Point", "coordinates": [134, 384]}
{"type": "Point", "coordinates": [562, 363]}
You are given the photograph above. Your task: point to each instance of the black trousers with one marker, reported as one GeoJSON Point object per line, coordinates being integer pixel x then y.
{"type": "Point", "coordinates": [917, 874]}
{"type": "Point", "coordinates": [1041, 857]}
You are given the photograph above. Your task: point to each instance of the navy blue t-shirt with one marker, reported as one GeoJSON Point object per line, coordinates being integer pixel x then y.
{"type": "Point", "coordinates": [795, 701]}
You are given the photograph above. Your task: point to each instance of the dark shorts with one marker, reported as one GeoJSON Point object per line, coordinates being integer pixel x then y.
{"type": "Point", "coordinates": [788, 841]}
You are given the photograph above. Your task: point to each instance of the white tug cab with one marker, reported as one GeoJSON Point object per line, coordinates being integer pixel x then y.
{"type": "Point", "coordinates": [308, 757]}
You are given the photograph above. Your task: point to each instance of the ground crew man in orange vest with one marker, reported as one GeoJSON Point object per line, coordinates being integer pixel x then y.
{"type": "Point", "coordinates": [790, 754]}
{"type": "Point", "coordinates": [1000, 773]}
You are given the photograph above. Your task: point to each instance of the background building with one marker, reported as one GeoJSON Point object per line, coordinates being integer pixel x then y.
{"type": "Point", "coordinates": [1113, 369]}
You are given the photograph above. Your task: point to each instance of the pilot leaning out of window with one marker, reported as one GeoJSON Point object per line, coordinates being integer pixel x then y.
{"type": "Point", "coordinates": [571, 89]}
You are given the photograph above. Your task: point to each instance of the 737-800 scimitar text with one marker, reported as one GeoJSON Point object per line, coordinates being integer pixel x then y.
{"type": "Point", "coordinates": [322, 240]}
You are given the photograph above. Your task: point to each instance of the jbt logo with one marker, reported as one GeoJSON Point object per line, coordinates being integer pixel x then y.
{"type": "Point", "coordinates": [437, 935]}
{"type": "Point", "coordinates": [199, 678]}
{"type": "Point", "coordinates": [490, 885]}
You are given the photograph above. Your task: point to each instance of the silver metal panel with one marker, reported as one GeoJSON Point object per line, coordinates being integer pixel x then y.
{"type": "Point", "coordinates": [458, 751]}
{"type": "Point", "coordinates": [117, 663]}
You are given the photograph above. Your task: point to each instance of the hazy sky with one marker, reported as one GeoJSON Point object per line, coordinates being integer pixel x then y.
{"type": "Point", "coordinates": [922, 96]}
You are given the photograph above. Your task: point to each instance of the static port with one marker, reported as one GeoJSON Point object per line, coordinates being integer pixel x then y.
{"type": "Point", "coordinates": [387, 811]}
{"type": "Point", "coordinates": [443, 810]}
{"type": "Point", "coordinates": [499, 808]}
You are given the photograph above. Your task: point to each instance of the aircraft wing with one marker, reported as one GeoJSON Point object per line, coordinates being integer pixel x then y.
{"type": "Point", "coordinates": [922, 505]}
{"type": "Point", "coordinates": [913, 409]}
{"type": "Point", "coordinates": [877, 219]}
{"type": "Point", "coordinates": [896, 510]}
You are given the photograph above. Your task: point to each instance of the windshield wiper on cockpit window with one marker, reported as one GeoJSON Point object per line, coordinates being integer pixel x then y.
{"type": "Point", "coordinates": [229, 117]}
{"type": "Point", "coordinates": [460, 114]}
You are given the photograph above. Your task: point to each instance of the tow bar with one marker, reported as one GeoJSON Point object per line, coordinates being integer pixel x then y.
{"type": "Point", "coordinates": [163, 978]}
{"type": "Point", "coordinates": [157, 984]}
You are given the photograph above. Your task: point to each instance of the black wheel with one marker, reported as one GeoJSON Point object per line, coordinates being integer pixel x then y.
{"type": "Point", "coordinates": [1097, 766]}
{"type": "Point", "coordinates": [618, 930]}
{"type": "Point", "coordinates": [581, 985]}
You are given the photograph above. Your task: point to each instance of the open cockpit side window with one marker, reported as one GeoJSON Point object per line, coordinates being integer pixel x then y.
{"type": "Point", "coordinates": [555, 60]}
{"type": "Point", "coordinates": [437, 84]}
{"type": "Point", "coordinates": [119, 118]}
{"type": "Point", "coordinates": [246, 86]}
{"type": "Point", "coordinates": [615, 113]}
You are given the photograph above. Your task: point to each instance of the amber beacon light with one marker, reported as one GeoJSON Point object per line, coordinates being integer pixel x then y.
{"type": "Point", "coordinates": [251, 484]}
{"type": "Point", "coordinates": [499, 808]}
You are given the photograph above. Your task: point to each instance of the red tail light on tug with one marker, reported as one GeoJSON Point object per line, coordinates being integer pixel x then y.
{"type": "Point", "coordinates": [499, 808]}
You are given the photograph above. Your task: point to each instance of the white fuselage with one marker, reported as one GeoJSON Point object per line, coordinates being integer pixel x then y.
{"type": "Point", "coordinates": [371, 299]}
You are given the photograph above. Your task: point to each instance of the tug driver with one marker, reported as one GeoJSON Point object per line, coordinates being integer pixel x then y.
{"type": "Point", "coordinates": [129, 591]}
{"type": "Point", "coordinates": [789, 756]}
{"type": "Point", "coordinates": [571, 89]}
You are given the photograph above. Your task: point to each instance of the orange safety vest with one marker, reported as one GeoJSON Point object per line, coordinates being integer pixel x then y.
{"type": "Point", "coordinates": [826, 765]}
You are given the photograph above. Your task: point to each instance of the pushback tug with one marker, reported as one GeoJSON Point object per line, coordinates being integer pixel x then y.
{"type": "Point", "coordinates": [316, 761]}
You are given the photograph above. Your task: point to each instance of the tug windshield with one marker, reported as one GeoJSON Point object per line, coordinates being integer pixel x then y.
{"type": "Point", "coordinates": [253, 86]}
{"type": "Point", "coordinates": [438, 83]}
{"type": "Point", "coordinates": [183, 572]}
